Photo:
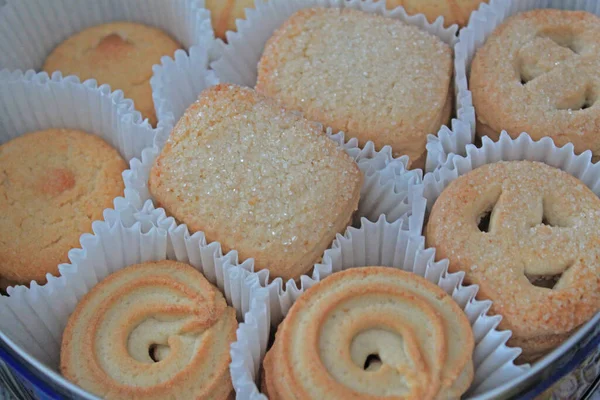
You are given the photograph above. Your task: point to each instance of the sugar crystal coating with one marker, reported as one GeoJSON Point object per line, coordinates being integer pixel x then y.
{"type": "Point", "coordinates": [256, 178]}
{"type": "Point", "coordinates": [373, 77]}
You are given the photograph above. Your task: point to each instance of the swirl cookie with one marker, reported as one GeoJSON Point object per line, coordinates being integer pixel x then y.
{"type": "Point", "coordinates": [371, 332]}
{"type": "Point", "coordinates": [527, 234]}
{"type": "Point", "coordinates": [257, 179]}
{"type": "Point", "coordinates": [375, 78]}
{"type": "Point", "coordinates": [53, 185]}
{"type": "Point", "coordinates": [120, 54]}
{"type": "Point", "coordinates": [539, 72]}
{"type": "Point", "coordinates": [156, 330]}
{"type": "Point", "coordinates": [224, 13]}
{"type": "Point", "coordinates": [453, 11]}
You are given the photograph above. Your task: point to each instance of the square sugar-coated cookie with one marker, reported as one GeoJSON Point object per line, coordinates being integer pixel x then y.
{"type": "Point", "coordinates": [258, 179]}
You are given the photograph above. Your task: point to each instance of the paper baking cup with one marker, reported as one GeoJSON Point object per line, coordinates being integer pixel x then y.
{"type": "Point", "coordinates": [244, 48]}
{"type": "Point", "coordinates": [34, 318]}
{"type": "Point", "coordinates": [32, 102]}
{"type": "Point", "coordinates": [376, 244]}
{"type": "Point", "coordinates": [481, 25]}
{"type": "Point", "coordinates": [31, 29]}
{"type": "Point", "coordinates": [177, 82]}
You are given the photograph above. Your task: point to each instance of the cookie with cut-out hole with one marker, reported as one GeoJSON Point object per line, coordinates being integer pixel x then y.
{"type": "Point", "coordinates": [120, 54]}
{"type": "Point", "coordinates": [539, 72]}
{"type": "Point", "coordinates": [527, 234]}
{"type": "Point", "coordinates": [53, 185]}
{"type": "Point", "coordinates": [371, 332]}
{"type": "Point", "coordinates": [157, 330]}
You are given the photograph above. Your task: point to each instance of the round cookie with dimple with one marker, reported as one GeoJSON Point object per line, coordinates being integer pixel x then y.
{"type": "Point", "coordinates": [157, 330]}
{"type": "Point", "coordinates": [120, 54]}
{"type": "Point", "coordinates": [371, 332]}
{"type": "Point", "coordinates": [527, 234]}
{"type": "Point", "coordinates": [539, 72]}
{"type": "Point", "coordinates": [53, 185]}
{"type": "Point", "coordinates": [453, 11]}
{"type": "Point", "coordinates": [376, 78]}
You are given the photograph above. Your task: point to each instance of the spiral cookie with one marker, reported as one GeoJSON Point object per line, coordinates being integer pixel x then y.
{"type": "Point", "coordinates": [527, 234]}
{"type": "Point", "coordinates": [374, 331]}
{"type": "Point", "coordinates": [156, 330]}
{"type": "Point", "coordinates": [539, 72]}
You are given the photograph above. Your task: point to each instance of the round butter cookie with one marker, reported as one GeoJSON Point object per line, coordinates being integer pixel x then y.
{"type": "Point", "coordinates": [539, 72]}
{"type": "Point", "coordinates": [53, 185]}
{"type": "Point", "coordinates": [371, 332]}
{"type": "Point", "coordinates": [375, 78]}
{"type": "Point", "coordinates": [120, 54]}
{"type": "Point", "coordinates": [527, 234]}
{"type": "Point", "coordinates": [257, 179]}
{"type": "Point", "coordinates": [454, 11]}
{"type": "Point", "coordinates": [156, 330]}
{"type": "Point", "coordinates": [224, 13]}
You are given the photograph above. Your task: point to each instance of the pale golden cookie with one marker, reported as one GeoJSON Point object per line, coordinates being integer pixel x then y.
{"type": "Point", "coordinates": [53, 185]}
{"type": "Point", "coordinates": [224, 13]}
{"type": "Point", "coordinates": [371, 332]}
{"type": "Point", "coordinates": [375, 78]}
{"type": "Point", "coordinates": [257, 179]}
{"type": "Point", "coordinates": [157, 330]}
{"type": "Point", "coordinates": [120, 54]}
{"type": "Point", "coordinates": [453, 11]}
{"type": "Point", "coordinates": [536, 257]}
{"type": "Point", "coordinates": [539, 72]}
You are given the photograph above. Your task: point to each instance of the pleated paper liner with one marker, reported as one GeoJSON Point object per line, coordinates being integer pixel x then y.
{"type": "Point", "coordinates": [244, 49]}
{"type": "Point", "coordinates": [177, 82]}
{"type": "Point", "coordinates": [34, 101]}
{"type": "Point", "coordinates": [508, 149]}
{"type": "Point", "coordinates": [30, 29]}
{"type": "Point", "coordinates": [34, 318]}
{"type": "Point", "coordinates": [384, 244]}
{"type": "Point", "coordinates": [481, 25]}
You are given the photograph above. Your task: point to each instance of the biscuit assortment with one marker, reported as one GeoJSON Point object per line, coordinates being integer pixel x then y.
{"type": "Point", "coordinates": [243, 166]}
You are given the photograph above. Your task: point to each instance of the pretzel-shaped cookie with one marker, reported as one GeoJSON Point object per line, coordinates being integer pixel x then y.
{"type": "Point", "coordinates": [539, 73]}
{"type": "Point", "coordinates": [538, 257]}
{"type": "Point", "coordinates": [371, 332]}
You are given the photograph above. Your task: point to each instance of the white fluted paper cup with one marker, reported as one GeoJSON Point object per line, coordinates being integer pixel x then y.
{"type": "Point", "coordinates": [481, 25]}
{"type": "Point", "coordinates": [177, 82]}
{"type": "Point", "coordinates": [244, 48]}
{"type": "Point", "coordinates": [382, 244]}
{"type": "Point", "coordinates": [32, 102]}
{"type": "Point", "coordinates": [30, 29]}
{"type": "Point", "coordinates": [34, 318]}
